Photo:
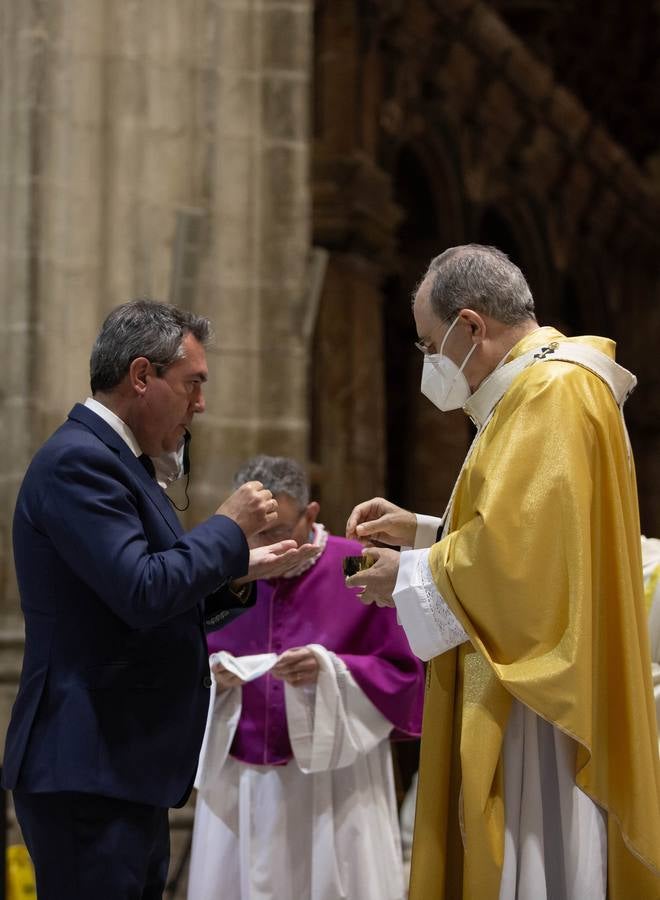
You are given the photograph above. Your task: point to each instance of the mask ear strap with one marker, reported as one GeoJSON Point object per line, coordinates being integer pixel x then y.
{"type": "Point", "coordinates": [186, 452]}
{"type": "Point", "coordinates": [447, 333]}
{"type": "Point", "coordinates": [467, 358]}
{"type": "Point", "coordinates": [186, 471]}
{"type": "Point", "coordinates": [185, 491]}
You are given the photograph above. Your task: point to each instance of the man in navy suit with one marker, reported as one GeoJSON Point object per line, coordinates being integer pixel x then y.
{"type": "Point", "coordinates": [108, 721]}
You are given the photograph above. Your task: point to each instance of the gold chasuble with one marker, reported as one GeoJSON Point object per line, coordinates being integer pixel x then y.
{"type": "Point", "coordinates": [541, 564]}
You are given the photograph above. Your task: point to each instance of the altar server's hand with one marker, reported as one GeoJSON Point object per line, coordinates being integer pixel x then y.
{"type": "Point", "coordinates": [297, 666]}
{"type": "Point", "coordinates": [380, 520]}
{"type": "Point", "coordinates": [252, 507]}
{"type": "Point", "coordinates": [378, 581]}
{"type": "Point", "coordinates": [276, 560]}
{"type": "Point", "coordinates": [224, 678]}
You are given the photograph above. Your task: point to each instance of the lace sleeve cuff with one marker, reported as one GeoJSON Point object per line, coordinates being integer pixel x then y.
{"type": "Point", "coordinates": [431, 627]}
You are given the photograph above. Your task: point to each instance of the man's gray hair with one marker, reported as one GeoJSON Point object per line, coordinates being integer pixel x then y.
{"type": "Point", "coordinates": [280, 474]}
{"type": "Point", "coordinates": [480, 278]}
{"type": "Point", "coordinates": [141, 328]}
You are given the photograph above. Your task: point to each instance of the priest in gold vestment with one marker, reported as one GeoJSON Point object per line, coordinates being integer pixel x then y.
{"type": "Point", "coordinates": [539, 774]}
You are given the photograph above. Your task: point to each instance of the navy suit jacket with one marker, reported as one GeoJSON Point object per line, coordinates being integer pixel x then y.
{"type": "Point", "coordinates": [113, 695]}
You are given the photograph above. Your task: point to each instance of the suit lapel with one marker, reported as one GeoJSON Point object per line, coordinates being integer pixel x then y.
{"type": "Point", "coordinates": [115, 442]}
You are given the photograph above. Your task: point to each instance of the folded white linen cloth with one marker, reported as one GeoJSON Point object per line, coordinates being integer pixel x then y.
{"type": "Point", "coordinates": [247, 668]}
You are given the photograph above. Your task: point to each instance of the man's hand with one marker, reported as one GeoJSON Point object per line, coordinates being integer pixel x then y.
{"type": "Point", "coordinates": [297, 666]}
{"type": "Point", "coordinates": [224, 678]}
{"type": "Point", "coordinates": [378, 581]}
{"type": "Point", "coordinates": [380, 520]}
{"type": "Point", "coordinates": [276, 560]}
{"type": "Point", "coordinates": [252, 507]}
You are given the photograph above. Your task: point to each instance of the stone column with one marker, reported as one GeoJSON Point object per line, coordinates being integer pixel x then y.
{"type": "Point", "coordinates": [22, 50]}
{"type": "Point", "coordinates": [116, 115]}
{"type": "Point", "coordinates": [254, 135]}
{"type": "Point", "coordinates": [356, 219]}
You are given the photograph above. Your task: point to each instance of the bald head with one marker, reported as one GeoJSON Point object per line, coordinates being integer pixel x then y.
{"type": "Point", "coordinates": [481, 278]}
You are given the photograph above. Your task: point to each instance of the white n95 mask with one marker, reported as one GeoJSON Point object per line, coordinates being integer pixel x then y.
{"type": "Point", "coordinates": [172, 466]}
{"type": "Point", "coordinates": [443, 382]}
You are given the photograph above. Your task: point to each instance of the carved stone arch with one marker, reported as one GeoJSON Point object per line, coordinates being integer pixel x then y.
{"type": "Point", "coordinates": [441, 149]}
{"type": "Point", "coordinates": [436, 153]}
{"type": "Point", "coordinates": [423, 452]}
{"type": "Point", "coordinates": [516, 227]}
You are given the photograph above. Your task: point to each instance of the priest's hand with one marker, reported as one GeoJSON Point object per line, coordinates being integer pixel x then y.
{"type": "Point", "coordinates": [382, 521]}
{"type": "Point", "coordinates": [297, 666]}
{"type": "Point", "coordinates": [224, 678]}
{"type": "Point", "coordinates": [275, 560]}
{"type": "Point", "coordinates": [377, 582]}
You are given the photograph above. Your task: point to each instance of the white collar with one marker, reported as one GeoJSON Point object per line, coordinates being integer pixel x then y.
{"type": "Point", "coordinates": [489, 393]}
{"type": "Point", "coordinates": [319, 539]}
{"type": "Point", "coordinates": [117, 424]}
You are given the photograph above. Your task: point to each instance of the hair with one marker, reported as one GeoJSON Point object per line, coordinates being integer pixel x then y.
{"type": "Point", "coordinates": [480, 278]}
{"type": "Point", "coordinates": [280, 474]}
{"type": "Point", "coordinates": [142, 328]}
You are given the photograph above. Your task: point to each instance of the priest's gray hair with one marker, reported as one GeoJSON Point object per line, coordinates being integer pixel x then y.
{"type": "Point", "coordinates": [142, 328]}
{"type": "Point", "coordinates": [280, 474]}
{"type": "Point", "coordinates": [480, 278]}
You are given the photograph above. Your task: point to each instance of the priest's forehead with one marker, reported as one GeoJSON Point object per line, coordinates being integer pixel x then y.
{"type": "Point", "coordinates": [289, 507]}
{"type": "Point", "coordinates": [425, 318]}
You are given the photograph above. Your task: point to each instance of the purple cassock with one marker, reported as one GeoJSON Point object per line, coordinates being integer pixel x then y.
{"type": "Point", "coordinates": [317, 608]}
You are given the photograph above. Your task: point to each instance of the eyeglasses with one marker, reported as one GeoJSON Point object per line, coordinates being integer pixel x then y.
{"type": "Point", "coordinates": [423, 348]}
{"type": "Point", "coordinates": [423, 345]}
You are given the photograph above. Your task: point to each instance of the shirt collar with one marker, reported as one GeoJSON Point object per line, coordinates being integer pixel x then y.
{"type": "Point", "coordinates": [117, 424]}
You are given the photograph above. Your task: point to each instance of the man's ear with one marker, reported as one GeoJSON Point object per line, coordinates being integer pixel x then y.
{"type": "Point", "coordinates": [312, 512]}
{"type": "Point", "coordinates": [138, 372]}
{"type": "Point", "coordinates": [475, 323]}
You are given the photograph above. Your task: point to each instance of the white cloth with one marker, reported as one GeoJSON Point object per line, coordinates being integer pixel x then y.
{"type": "Point", "coordinates": [555, 839]}
{"type": "Point", "coordinates": [247, 668]}
{"type": "Point", "coordinates": [117, 424]}
{"type": "Point", "coordinates": [407, 819]}
{"type": "Point", "coordinates": [651, 572]}
{"type": "Point", "coordinates": [322, 827]}
{"type": "Point", "coordinates": [426, 532]}
{"type": "Point", "coordinates": [555, 842]}
{"type": "Point", "coordinates": [431, 627]}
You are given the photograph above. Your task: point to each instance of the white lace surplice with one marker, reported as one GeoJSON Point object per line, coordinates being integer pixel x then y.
{"type": "Point", "coordinates": [555, 843]}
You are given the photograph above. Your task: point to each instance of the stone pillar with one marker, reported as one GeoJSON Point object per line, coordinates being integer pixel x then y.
{"type": "Point", "coordinates": [355, 218]}
{"type": "Point", "coordinates": [67, 207]}
{"type": "Point", "coordinates": [349, 413]}
{"type": "Point", "coordinates": [22, 51]}
{"type": "Point", "coordinates": [252, 277]}
{"type": "Point", "coordinates": [116, 115]}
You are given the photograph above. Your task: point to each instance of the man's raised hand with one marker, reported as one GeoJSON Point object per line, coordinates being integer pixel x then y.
{"type": "Point", "coordinates": [252, 507]}
{"type": "Point", "coordinates": [382, 521]}
{"type": "Point", "coordinates": [276, 559]}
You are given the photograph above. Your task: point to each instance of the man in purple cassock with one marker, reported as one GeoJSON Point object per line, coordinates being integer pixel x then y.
{"type": "Point", "coordinates": [296, 790]}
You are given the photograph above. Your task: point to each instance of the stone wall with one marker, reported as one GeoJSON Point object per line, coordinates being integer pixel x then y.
{"type": "Point", "coordinates": [120, 119]}
{"type": "Point", "coordinates": [127, 128]}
